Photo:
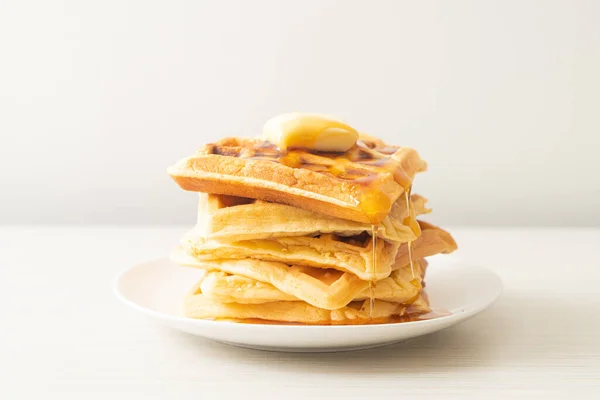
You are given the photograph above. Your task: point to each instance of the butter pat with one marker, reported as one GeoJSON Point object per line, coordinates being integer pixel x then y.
{"type": "Point", "coordinates": [309, 131]}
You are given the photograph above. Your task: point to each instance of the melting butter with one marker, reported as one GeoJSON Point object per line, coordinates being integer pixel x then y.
{"type": "Point", "coordinates": [309, 131]}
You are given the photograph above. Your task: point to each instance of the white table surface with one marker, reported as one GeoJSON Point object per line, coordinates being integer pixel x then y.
{"type": "Point", "coordinates": [64, 335]}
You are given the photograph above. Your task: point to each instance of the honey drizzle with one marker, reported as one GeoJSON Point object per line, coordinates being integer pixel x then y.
{"type": "Point", "coordinates": [374, 266]}
{"type": "Point", "coordinates": [408, 317]}
{"type": "Point", "coordinates": [410, 258]}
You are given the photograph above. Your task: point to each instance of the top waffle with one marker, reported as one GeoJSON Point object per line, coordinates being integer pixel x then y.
{"type": "Point", "coordinates": [360, 185]}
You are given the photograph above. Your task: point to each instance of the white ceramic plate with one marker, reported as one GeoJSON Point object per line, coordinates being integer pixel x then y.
{"type": "Point", "coordinates": [156, 289]}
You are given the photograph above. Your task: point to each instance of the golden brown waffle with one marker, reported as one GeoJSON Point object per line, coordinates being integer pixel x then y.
{"type": "Point", "coordinates": [227, 288]}
{"type": "Point", "coordinates": [197, 305]}
{"type": "Point", "coordinates": [346, 253]}
{"type": "Point", "coordinates": [231, 219]}
{"type": "Point", "coordinates": [399, 287]}
{"type": "Point", "coordinates": [324, 288]}
{"type": "Point", "coordinates": [359, 185]}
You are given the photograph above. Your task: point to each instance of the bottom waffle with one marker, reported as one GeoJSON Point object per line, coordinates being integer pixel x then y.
{"type": "Point", "coordinates": [197, 305]}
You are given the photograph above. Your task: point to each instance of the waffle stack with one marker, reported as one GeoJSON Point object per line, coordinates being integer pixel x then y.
{"type": "Point", "coordinates": [307, 236]}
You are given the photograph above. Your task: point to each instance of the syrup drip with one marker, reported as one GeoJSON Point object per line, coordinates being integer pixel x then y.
{"type": "Point", "coordinates": [408, 317]}
{"type": "Point", "coordinates": [372, 283]}
{"type": "Point", "coordinates": [410, 258]}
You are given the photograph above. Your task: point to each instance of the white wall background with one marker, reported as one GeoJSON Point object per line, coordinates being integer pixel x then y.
{"type": "Point", "coordinates": [500, 97]}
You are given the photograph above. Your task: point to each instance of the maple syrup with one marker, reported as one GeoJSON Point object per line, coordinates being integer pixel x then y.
{"type": "Point", "coordinates": [292, 160]}
{"type": "Point", "coordinates": [410, 259]}
{"type": "Point", "coordinates": [411, 317]}
{"type": "Point", "coordinates": [406, 317]}
{"type": "Point", "coordinates": [374, 203]}
{"type": "Point", "coordinates": [374, 266]}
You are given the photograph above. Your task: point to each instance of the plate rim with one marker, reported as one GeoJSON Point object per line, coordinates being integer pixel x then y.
{"type": "Point", "coordinates": [116, 282]}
